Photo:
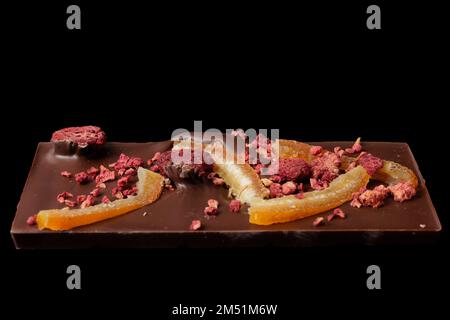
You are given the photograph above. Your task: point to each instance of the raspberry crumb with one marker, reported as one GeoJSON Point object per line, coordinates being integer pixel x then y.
{"type": "Point", "coordinates": [70, 203]}
{"type": "Point", "coordinates": [66, 174]}
{"type": "Point", "coordinates": [31, 220]}
{"type": "Point", "coordinates": [95, 192]}
{"type": "Point", "coordinates": [63, 196]}
{"type": "Point", "coordinates": [218, 181]}
{"type": "Point", "coordinates": [339, 213]}
{"type": "Point", "coordinates": [81, 177]}
{"type": "Point", "coordinates": [156, 156]}
{"type": "Point", "coordinates": [105, 199]}
{"type": "Point", "coordinates": [210, 211]}
{"type": "Point", "coordinates": [130, 172]}
{"type": "Point", "coordinates": [213, 203]}
{"type": "Point", "coordinates": [88, 202]}
{"type": "Point", "coordinates": [315, 150]}
{"type": "Point", "coordinates": [300, 195]}
{"type": "Point", "coordinates": [81, 198]}
{"type": "Point", "coordinates": [195, 225]}
{"type": "Point", "coordinates": [318, 221]}
{"type": "Point", "coordinates": [288, 188]}
{"type": "Point", "coordinates": [122, 182]}
{"type": "Point", "coordinates": [154, 168]}
{"type": "Point", "coordinates": [275, 190]}
{"type": "Point", "coordinates": [100, 185]}
{"type": "Point", "coordinates": [235, 205]}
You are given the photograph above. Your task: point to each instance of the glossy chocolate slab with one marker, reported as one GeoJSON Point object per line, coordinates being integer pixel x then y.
{"type": "Point", "coordinates": [167, 221]}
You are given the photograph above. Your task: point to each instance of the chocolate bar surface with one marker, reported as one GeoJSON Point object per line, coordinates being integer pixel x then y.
{"type": "Point", "coordinates": [166, 222]}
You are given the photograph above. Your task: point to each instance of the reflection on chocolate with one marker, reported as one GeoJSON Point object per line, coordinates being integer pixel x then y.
{"type": "Point", "coordinates": [166, 222]}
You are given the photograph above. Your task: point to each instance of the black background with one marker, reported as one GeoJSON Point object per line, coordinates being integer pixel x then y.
{"type": "Point", "coordinates": [312, 70]}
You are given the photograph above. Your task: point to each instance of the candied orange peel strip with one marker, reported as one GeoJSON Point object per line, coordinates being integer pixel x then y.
{"type": "Point", "coordinates": [391, 172]}
{"type": "Point", "coordinates": [149, 187]}
{"type": "Point", "coordinates": [289, 208]}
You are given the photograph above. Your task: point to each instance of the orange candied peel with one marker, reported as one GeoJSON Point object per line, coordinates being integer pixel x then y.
{"type": "Point", "coordinates": [290, 208]}
{"type": "Point", "coordinates": [149, 187]}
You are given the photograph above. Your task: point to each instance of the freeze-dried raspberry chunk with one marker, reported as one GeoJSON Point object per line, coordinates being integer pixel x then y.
{"type": "Point", "coordinates": [66, 174]}
{"type": "Point", "coordinates": [195, 225]}
{"type": "Point", "coordinates": [402, 191]}
{"type": "Point", "coordinates": [370, 162]}
{"type": "Point", "coordinates": [63, 196]}
{"type": "Point", "coordinates": [88, 202]}
{"type": "Point", "coordinates": [81, 177]}
{"type": "Point", "coordinates": [235, 205]}
{"type": "Point", "coordinates": [105, 175]}
{"type": "Point", "coordinates": [83, 136]}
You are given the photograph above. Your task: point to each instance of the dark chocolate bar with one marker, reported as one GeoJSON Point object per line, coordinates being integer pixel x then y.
{"type": "Point", "coordinates": [166, 222]}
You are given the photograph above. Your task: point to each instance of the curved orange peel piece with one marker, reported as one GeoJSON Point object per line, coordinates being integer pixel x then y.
{"type": "Point", "coordinates": [149, 186]}
{"type": "Point", "coordinates": [289, 208]}
{"type": "Point", "coordinates": [294, 149]}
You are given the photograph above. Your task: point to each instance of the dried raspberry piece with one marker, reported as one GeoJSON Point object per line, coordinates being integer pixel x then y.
{"type": "Point", "coordinates": [315, 150]}
{"type": "Point", "coordinates": [63, 196]}
{"type": "Point", "coordinates": [318, 221]}
{"type": "Point", "coordinates": [339, 213]}
{"type": "Point", "coordinates": [235, 205]}
{"type": "Point", "coordinates": [95, 192]}
{"type": "Point", "coordinates": [213, 203]}
{"type": "Point", "coordinates": [105, 199]}
{"type": "Point", "coordinates": [212, 175]}
{"type": "Point", "coordinates": [135, 162]}
{"type": "Point", "coordinates": [195, 225]}
{"type": "Point", "coordinates": [154, 168]}
{"type": "Point", "coordinates": [275, 178]}
{"type": "Point", "coordinates": [210, 211]}
{"type": "Point", "coordinates": [130, 192]}
{"type": "Point", "coordinates": [66, 174]}
{"type": "Point", "coordinates": [122, 182]}
{"type": "Point", "coordinates": [300, 195]}
{"type": "Point", "coordinates": [370, 198]}
{"type": "Point", "coordinates": [70, 203]}
{"type": "Point", "coordinates": [117, 193]}
{"type": "Point", "coordinates": [130, 172]}
{"type": "Point", "coordinates": [292, 169]}
{"type": "Point", "coordinates": [275, 190]}
{"type": "Point", "coordinates": [370, 162]}
{"type": "Point", "coordinates": [31, 220]}
{"type": "Point", "coordinates": [325, 168]}
{"type": "Point", "coordinates": [355, 148]}
{"type": "Point", "coordinates": [101, 185]}
{"type": "Point", "coordinates": [402, 191]}
{"type": "Point", "coordinates": [81, 198]}
{"type": "Point", "coordinates": [288, 188]}
{"type": "Point", "coordinates": [318, 184]}
{"type": "Point", "coordinates": [156, 156]}
{"type": "Point", "coordinates": [121, 163]}
{"type": "Point", "coordinates": [88, 202]}
{"type": "Point", "coordinates": [81, 177]}
{"type": "Point", "coordinates": [300, 187]}
{"type": "Point", "coordinates": [83, 136]}
{"type": "Point", "coordinates": [336, 213]}
{"type": "Point", "coordinates": [104, 175]}
{"type": "Point", "coordinates": [218, 181]}
{"type": "Point", "coordinates": [121, 172]}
